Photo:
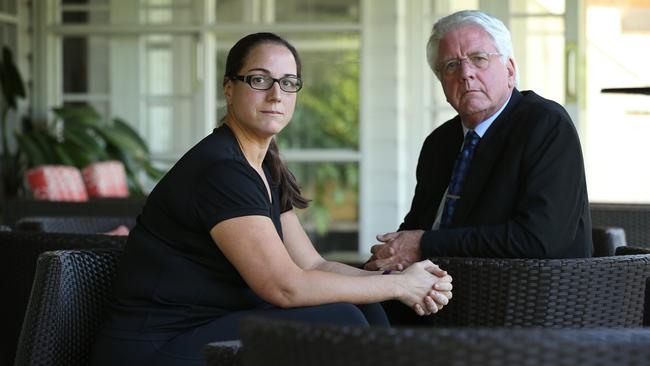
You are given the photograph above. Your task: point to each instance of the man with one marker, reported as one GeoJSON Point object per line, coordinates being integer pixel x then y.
{"type": "Point", "coordinates": [517, 186]}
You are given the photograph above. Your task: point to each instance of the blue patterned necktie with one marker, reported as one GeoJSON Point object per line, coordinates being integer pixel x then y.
{"type": "Point", "coordinates": [458, 177]}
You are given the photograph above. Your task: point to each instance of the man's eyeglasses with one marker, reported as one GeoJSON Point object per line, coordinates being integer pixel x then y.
{"type": "Point", "coordinates": [289, 84]}
{"type": "Point", "coordinates": [479, 60]}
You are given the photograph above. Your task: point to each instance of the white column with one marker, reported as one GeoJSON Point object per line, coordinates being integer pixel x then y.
{"type": "Point", "coordinates": [379, 120]}
{"type": "Point", "coordinates": [395, 110]}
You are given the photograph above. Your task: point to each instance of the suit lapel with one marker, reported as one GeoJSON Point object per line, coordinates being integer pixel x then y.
{"type": "Point", "coordinates": [486, 154]}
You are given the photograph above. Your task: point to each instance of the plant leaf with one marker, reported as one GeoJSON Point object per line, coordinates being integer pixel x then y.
{"type": "Point", "coordinates": [73, 115]}
{"type": "Point", "coordinates": [78, 155]}
{"type": "Point", "coordinates": [121, 141]}
{"type": "Point", "coordinates": [122, 126]}
{"type": "Point", "coordinates": [10, 79]}
{"type": "Point", "coordinates": [152, 171]}
{"type": "Point", "coordinates": [46, 144]}
{"type": "Point", "coordinates": [85, 139]}
{"type": "Point", "coordinates": [30, 149]}
{"type": "Point", "coordinates": [62, 155]}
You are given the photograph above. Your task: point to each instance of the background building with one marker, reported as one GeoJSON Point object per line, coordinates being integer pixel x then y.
{"type": "Point", "coordinates": [369, 98]}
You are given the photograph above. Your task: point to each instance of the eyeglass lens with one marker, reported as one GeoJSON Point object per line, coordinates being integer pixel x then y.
{"type": "Point", "coordinates": [289, 84]}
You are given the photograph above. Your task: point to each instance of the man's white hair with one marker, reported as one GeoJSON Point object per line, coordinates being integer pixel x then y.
{"type": "Point", "coordinates": [494, 27]}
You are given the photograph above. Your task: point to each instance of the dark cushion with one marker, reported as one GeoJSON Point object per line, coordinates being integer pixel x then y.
{"type": "Point", "coordinates": [606, 239]}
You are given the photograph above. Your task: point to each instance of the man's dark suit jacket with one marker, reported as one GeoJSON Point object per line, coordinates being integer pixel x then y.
{"type": "Point", "coordinates": [524, 196]}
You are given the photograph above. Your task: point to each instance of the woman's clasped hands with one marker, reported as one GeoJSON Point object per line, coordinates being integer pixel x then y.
{"type": "Point", "coordinates": [426, 287]}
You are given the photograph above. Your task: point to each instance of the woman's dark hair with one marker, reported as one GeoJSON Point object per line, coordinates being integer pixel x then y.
{"type": "Point", "coordinates": [290, 195]}
{"type": "Point", "coordinates": [238, 53]}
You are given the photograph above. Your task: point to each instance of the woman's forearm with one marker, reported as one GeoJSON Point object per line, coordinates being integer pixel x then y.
{"type": "Point", "coordinates": [341, 268]}
{"type": "Point", "coordinates": [316, 286]}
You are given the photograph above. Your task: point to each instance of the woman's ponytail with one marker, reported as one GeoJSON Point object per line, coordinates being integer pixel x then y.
{"type": "Point", "coordinates": [290, 195]}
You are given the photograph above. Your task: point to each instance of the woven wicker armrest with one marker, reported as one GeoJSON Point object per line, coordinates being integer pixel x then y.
{"type": "Point", "coordinates": [18, 263]}
{"type": "Point", "coordinates": [582, 292]}
{"type": "Point", "coordinates": [66, 306]}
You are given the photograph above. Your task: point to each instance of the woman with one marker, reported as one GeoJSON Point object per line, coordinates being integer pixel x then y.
{"type": "Point", "coordinates": [218, 240]}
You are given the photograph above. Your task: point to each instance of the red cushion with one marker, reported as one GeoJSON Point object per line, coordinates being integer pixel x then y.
{"type": "Point", "coordinates": [56, 183]}
{"type": "Point", "coordinates": [106, 179]}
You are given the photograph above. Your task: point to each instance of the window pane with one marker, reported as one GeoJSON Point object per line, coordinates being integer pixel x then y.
{"type": "Point", "coordinates": [617, 125]}
{"type": "Point", "coordinates": [447, 7]}
{"type": "Point", "coordinates": [85, 12]}
{"type": "Point", "coordinates": [167, 133]}
{"type": "Point", "coordinates": [230, 11]}
{"type": "Point", "coordinates": [85, 17]}
{"type": "Point", "coordinates": [327, 111]}
{"type": "Point", "coordinates": [9, 6]}
{"type": "Point", "coordinates": [8, 37]}
{"type": "Point", "coordinates": [85, 65]}
{"type": "Point", "coordinates": [168, 77]}
{"type": "Point", "coordinates": [301, 11]}
{"type": "Point", "coordinates": [169, 64]}
{"type": "Point", "coordinates": [144, 12]}
{"type": "Point", "coordinates": [160, 128]}
{"type": "Point", "coordinates": [84, 2]}
{"type": "Point", "coordinates": [538, 7]}
{"type": "Point", "coordinates": [167, 11]}
{"type": "Point", "coordinates": [287, 11]}
{"type": "Point", "coordinates": [331, 219]}
{"type": "Point", "coordinates": [539, 52]}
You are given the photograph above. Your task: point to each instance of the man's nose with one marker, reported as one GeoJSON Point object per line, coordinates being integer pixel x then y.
{"type": "Point", "coordinates": [466, 69]}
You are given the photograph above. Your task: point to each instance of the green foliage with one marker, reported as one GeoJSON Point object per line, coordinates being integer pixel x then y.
{"type": "Point", "coordinates": [80, 137]}
{"type": "Point", "coordinates": [327, 116]}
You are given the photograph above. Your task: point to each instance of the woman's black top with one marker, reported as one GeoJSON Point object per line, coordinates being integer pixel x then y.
{"type": "Point", "coordinates": [172, 275]}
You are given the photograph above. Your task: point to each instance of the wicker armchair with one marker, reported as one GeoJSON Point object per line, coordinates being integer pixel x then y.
{"type": "Point", "coordinates": [66, 307]}
{"type": "Point", "coordinates": [585, 292]}
{"type": "Point", "coordinates": [74, 224]}
{"type": "Point", "coordinates": [633, 218]}
{"type": "Point", "coordinates": [17, 267]}
{"type": "Point", "coordinates": [289, 343]}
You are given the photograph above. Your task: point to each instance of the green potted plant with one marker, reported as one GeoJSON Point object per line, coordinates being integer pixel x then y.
{"type": "Point", "coordinates": [78, 136]}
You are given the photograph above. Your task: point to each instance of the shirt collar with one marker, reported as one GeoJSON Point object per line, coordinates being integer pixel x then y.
{"type": "Point", "coordinates": [482, 127]}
